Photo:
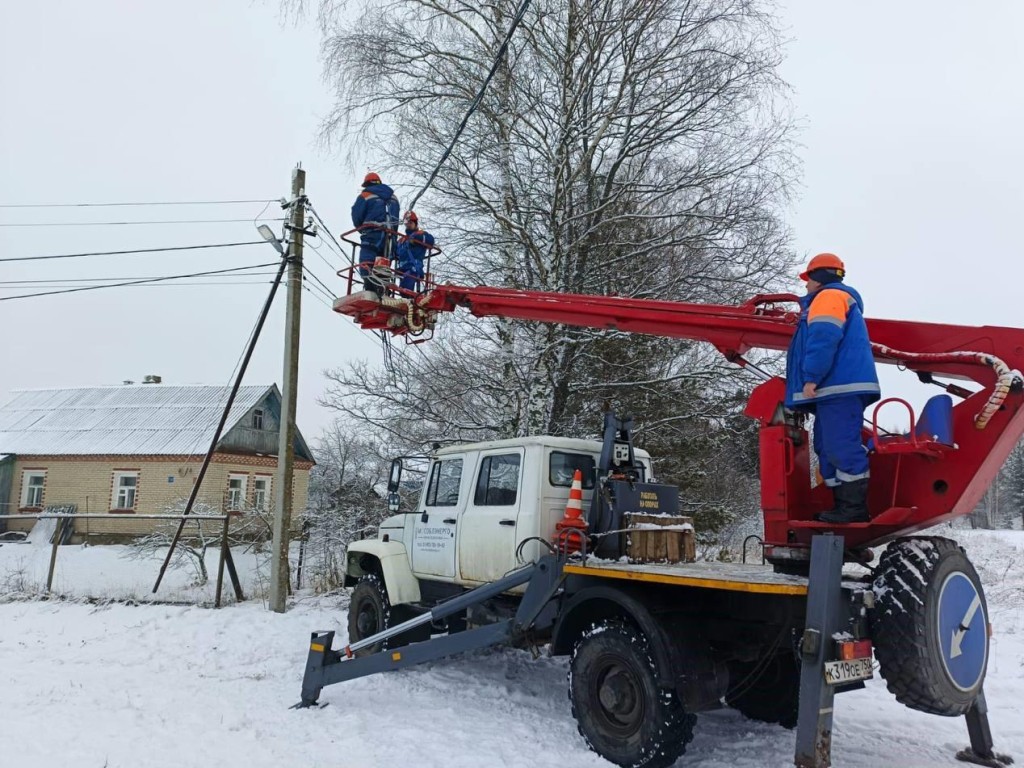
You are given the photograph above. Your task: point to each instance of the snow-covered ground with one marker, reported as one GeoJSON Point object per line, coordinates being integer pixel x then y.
{"type": "Point", "coordinates": [147, 686]}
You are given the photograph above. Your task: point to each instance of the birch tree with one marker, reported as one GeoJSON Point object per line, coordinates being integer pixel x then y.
{"type": "Point", "coordinates": [630, 147]}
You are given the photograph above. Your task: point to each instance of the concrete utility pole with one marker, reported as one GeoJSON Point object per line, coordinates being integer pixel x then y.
{"type": "Point", "coordinates": [279, 572]}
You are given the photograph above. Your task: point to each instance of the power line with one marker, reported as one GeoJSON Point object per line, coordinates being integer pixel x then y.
{"type": "Point", "coordinates": [115, 205]}
{"type": "Point", "coordinates": [135, 282]}
{"type": "Point", "coordinates": [323, 286]}
{"type": "Point", "coordinates": [108, 279]}
{"type": "Point", "coordinates": [136, 250]}
{"type": "Point", "coordinates": [130, 223]}
{"type": "Point", "coordinates": [476, 100]}
{"type": "Point", "coordinates": [152, 285]}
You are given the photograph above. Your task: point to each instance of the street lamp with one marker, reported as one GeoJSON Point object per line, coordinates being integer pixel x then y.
{"type": "Point", "coordinates": [268, 234]}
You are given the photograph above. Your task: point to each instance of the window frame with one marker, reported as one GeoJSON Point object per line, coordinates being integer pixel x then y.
{"type": "Point", "coordinates": [589, 480]}
{"type": "Point", "coordinates": [268, 479]}
{"type": "Point", "coordinates": [258, 415]}
{"type": "Point", "coordinates": [27, 488]}
{"type": "Point", "coordinates": [487, 462]}
{"type": "Point", "coordinates": [432, 486]}
{"type": "Point", "coordinates": [116, 488]}
{"type": "Point", "coordinates": [243, 491]}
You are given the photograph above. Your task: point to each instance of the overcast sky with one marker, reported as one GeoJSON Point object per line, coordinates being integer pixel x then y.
{"type": "Point", "coordinates": [911, 151]}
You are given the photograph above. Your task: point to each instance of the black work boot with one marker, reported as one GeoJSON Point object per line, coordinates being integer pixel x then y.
{"type": "Point", "coordinates": [851, 504]}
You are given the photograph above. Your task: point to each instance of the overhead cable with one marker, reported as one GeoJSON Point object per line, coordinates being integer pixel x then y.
{"type": "Point", "coordinates": [135, 250]}
{"type": "Point", "coordinates": [129, 223]}
{"type": "Point", "coordinates": [135, 282]}
{"type": "Point", "coordinates": [115, 205]}
{"type": "Point", "coordinates": [520, 13]}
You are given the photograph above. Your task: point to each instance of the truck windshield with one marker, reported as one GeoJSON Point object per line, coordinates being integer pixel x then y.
{"type": "Point", "coordinates": [562, 466]}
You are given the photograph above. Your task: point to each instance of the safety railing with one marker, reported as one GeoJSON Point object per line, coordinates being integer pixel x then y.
{"type": "Point", "coordinates": [382, 274]}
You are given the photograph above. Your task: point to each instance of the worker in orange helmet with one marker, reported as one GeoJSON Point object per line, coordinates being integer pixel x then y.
{"type": "Point", "coordinates": [412, 251]}
{"type": "Point", "coordinates": [375, 214]}
{"type": "Point", "coordinates": [830, 372]}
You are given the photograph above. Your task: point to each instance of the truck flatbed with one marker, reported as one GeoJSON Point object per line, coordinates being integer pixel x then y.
{"type": "Point", "coordinates": [727, 576]}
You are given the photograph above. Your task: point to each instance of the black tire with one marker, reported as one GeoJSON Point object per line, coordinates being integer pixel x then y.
{"type": "Point", "coordinates": [767, 690]}
{"type": "Point", "coordinates": [370, 611]}
{"type": "Point", "coordinates": [915, 580]}
{"type": "Point", "coordinates": [620, 710]}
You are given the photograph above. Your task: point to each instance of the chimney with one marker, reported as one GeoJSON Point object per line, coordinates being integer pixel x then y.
{"type": "Point", "coordinates": [151, 379]}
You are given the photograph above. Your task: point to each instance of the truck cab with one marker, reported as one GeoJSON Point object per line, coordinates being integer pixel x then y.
{"type": "Point", "coordinates": [484, 509]}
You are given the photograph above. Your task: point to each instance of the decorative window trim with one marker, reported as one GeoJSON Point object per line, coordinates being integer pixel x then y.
{"type": "Point", "coordinates": [23, 493]}
{"type": "Point", "coordinates": [268, 492]}
{"type": "Point", "coordinates": [258, 418]}
{"type": "Point", "coordinates": [238, 506]}
{"type": "Point", "coordinates": [115, 491]}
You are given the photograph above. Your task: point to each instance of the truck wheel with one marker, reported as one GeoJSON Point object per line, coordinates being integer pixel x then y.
{"type": "Point", "coordinates": [620, 710]}
{"type": "Point", "coordinates": [766, 690]}
{"type": "Point", "coordinates": [369, 612]}
{"type": "Point", "coordinates": [930, 625]}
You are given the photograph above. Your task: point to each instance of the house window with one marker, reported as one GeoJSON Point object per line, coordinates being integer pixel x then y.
{"type": "Point", "coordinates": [260, 493]}
{"type": "Point", "coordinates": [257, 419]}
{"type": "Point", "coordinates": [236, 492]}
{"type": "Point", "coordinates": [32, 484]}
{"type": "Point", "coordinates": [126, 490]}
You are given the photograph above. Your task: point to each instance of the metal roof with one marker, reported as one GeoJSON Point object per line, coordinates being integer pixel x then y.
{"type": "Point", "coordinates": [146, 419]}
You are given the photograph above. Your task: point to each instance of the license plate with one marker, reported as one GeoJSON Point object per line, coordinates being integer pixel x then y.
{"type": "Point", "coordinates": [838, 672]}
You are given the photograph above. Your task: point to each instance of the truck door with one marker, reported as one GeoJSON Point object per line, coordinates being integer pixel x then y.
{"type": "Point", "coordinates": [488, 538]}
{"type": "Point", "coordinates": [433, 543]}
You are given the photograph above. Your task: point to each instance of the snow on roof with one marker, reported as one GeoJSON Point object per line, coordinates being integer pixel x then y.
{"type": "Point", "coordinates": [136, 419]}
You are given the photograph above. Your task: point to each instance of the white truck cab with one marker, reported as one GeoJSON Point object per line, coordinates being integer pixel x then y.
{"type": "Point", "coordinates": [480, 503]}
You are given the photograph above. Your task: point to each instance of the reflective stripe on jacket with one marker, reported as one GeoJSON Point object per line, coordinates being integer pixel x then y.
{"type": "Point", "coordinates": [831, 348]}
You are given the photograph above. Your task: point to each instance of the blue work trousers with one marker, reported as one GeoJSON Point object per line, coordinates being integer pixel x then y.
{"type": "Point", "coordinates": [842, 457]}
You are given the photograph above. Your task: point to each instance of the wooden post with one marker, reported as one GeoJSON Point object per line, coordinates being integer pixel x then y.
{"type": "Point", "coordinates": [57, 533]}
{"type": "Point", "coordinates": [279, 571]}
{"type": "Point", "coordinates": [220, 562]}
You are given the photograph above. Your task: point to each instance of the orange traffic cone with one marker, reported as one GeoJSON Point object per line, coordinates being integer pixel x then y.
{"type": "Point", "coordinates": [572, 529]}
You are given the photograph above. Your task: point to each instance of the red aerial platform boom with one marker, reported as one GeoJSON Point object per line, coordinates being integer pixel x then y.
{"type": "Point", "coordinates": [934, 473]}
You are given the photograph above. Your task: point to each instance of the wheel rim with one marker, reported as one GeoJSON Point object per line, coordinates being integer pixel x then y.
{"type": "Point", "coordinates": [367, 619]}
{"type": "Point", "coordinates": [617, 690]}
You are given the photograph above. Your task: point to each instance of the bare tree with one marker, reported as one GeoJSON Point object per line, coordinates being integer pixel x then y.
{"type": "Point", "coordinates": [346, 498]}
{"type": "Point", "coordinates": [630, 147]}
{"type": "Point", "coordinates": [249, 530]}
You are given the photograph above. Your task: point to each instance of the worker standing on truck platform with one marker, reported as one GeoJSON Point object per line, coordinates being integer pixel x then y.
{"type": "Point", "coordinates": [376, 212]}
{"type": "Point", "coordinates": [412, 251]}
{"type": "Point", "coordinates": [830, 372]}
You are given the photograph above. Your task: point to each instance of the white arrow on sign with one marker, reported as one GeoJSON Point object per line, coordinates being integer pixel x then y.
{"type": "Point", "coordinates": [961, 631]}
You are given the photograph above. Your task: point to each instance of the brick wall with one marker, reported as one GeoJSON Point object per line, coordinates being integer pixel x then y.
{"type": "Point", "coordinates": [88, 482]}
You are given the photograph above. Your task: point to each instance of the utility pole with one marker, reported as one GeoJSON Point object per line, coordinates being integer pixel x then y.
{"type": "Point", "coordinates": [279, 572]}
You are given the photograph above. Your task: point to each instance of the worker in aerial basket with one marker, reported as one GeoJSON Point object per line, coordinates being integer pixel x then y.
{"type": "Point", "coordinates": [375, 213]}
{"type": "Point", "coordinates": [830, 372]}
{"type": "Point", "coordinates": [412, 251]}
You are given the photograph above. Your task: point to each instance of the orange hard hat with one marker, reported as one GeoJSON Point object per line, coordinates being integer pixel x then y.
{"type": "Point", "coordinates": [824, 261]}
{"type": "Point", "coordinates": [371, 178]}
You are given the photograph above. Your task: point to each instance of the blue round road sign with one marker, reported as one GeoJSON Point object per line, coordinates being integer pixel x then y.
{"type": "Point", "coordinates": [963, 631]}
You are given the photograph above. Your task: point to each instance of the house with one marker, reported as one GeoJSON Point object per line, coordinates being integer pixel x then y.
{"type": "Point", "coordinates": [137, 449]}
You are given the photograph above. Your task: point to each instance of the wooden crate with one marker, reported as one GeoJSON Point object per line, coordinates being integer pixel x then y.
{"type": "Point", "coordinates": [659, 538]}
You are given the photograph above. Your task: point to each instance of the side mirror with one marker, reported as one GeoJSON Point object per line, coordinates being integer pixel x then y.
{"type": "Point", "coordinates": [395, 478]}
{"type": "Point", "coordinates": [394, 502]}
